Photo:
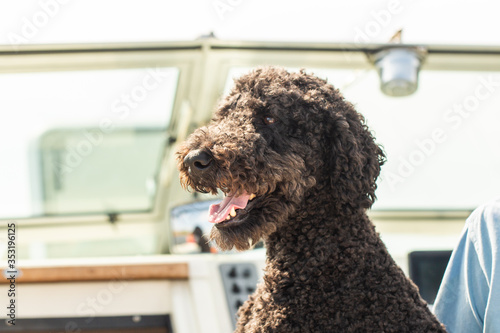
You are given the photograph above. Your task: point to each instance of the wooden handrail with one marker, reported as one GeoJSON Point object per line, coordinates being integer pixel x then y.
{"type": "Point", "coordinates": [162, 271]}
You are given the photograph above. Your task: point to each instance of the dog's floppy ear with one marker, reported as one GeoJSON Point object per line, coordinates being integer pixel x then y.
{"type": "Point", "coordinates": [355, 159]}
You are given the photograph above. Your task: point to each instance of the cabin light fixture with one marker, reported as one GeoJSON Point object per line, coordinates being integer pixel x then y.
{"type": "Point", "coordinates": [398, 68]}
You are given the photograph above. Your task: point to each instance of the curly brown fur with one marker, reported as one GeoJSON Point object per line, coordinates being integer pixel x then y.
{"type": "Point", "coordinates": [293, 141]}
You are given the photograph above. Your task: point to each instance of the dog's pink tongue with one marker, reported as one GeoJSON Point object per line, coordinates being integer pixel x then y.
{"type": "Point", "coordinates": [218, 213]}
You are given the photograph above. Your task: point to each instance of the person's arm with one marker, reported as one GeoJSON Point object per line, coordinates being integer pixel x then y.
{"type": "Point", "coordinates": [469, 298]}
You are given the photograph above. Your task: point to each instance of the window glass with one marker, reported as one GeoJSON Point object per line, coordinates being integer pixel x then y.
{"type": "Point", "coordinates": [81, 142]}
{"type": "Point", "coordinates": [191, 228]}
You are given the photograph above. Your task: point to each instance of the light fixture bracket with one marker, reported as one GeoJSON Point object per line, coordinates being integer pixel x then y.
{"type": "Point", "coordinates": [398, 68]}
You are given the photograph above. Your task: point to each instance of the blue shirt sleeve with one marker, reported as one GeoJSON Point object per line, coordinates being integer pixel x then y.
{"type": "Point", "coordinates": [468, 299]}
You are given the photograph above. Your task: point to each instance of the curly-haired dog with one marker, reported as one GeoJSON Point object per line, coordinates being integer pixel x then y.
{"type": "Point", "coordinates": [298, 167]}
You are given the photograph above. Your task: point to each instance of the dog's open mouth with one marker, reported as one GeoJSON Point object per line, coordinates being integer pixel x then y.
{"type": "Point", "coordinates": [229, 208]}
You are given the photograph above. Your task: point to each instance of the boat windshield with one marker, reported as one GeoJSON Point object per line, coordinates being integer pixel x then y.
{"type": "Point", "coordinates": [83, 142]}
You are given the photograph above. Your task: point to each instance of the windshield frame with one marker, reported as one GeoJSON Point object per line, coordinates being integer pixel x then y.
{"type": "Point", "coordinates": [203, 67]}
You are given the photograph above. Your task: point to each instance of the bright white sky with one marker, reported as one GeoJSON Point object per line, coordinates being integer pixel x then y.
{"type": "Point", "coordinates": [85, 21]}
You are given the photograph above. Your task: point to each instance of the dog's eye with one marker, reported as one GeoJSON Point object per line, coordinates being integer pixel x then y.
{"type": "Point", "coordinates": [269, 120]}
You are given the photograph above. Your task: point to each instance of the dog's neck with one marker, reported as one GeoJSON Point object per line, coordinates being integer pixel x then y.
{"type": "Point", "coordinates": [318, 224]}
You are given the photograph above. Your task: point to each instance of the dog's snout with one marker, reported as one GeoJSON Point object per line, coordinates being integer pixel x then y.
{"type": "Point", "coordinates": [198, 161]}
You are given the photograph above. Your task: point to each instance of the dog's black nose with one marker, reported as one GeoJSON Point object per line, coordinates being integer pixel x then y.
{"type": "Point", "coordinates": [198, 160]}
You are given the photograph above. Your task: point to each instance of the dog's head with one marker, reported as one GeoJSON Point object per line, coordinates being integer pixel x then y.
{"type": "Point", "coordinates": [276, 139]}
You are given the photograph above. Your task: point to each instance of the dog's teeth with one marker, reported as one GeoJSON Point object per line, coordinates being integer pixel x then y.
{"type": "Point", "coordinates": [228, 217]}
{"type": "Point", "coordinates": [233, 212]}
{"type": "Point", "coordinates": [252, 196]}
